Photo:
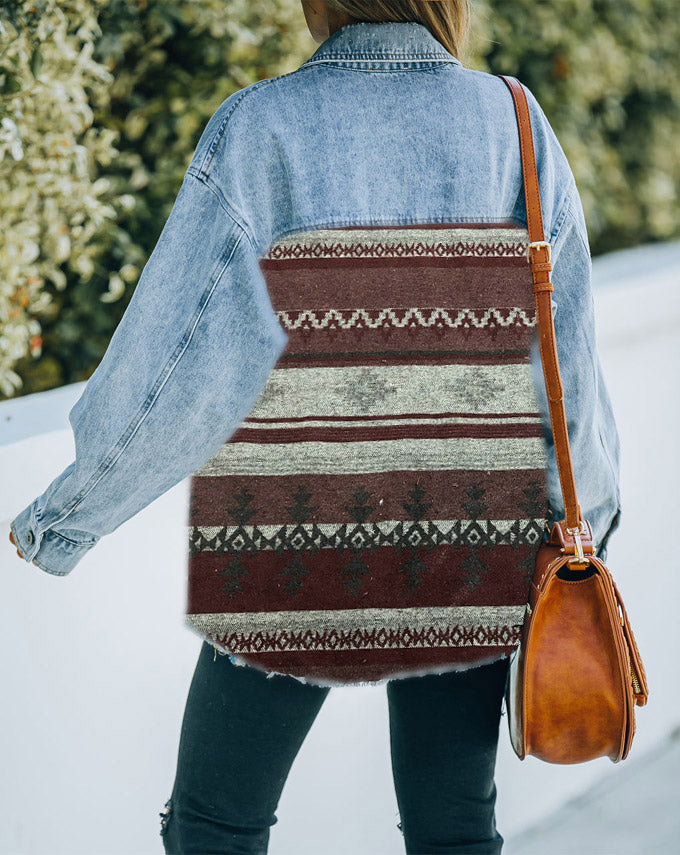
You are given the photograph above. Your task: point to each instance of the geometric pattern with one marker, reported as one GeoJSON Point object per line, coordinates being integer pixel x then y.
{"type": "Point", "coordinates": [444, 627]}
{"type": "Point", "coordinates": [378, 512]}
{"type": "Point", "coordinates": [406, 318]}
{"type": "Point", "coordinates": [312, 537]}
{"type": "Point", "coordinates": [425, 243]}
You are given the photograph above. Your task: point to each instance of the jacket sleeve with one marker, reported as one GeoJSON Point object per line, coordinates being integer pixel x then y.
{"type": "Point", "coordinates": [184, 367]}
{"type": "Point", "coordinates": [593, 435]}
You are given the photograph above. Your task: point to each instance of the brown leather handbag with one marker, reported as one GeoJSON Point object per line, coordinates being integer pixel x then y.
{"type": "Point", "coordinates": [577, 675]}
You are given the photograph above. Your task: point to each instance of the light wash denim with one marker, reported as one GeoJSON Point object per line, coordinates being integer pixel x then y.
{"type": "Point", "coordinates": [382, 125]}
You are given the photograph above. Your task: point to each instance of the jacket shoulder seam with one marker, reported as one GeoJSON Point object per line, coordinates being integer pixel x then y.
{"type": "Point", "coordinates": [230, 210]}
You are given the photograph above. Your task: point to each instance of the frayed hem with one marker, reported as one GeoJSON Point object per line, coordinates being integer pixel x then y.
{"type": "Point", "coordinates": [320, 682]}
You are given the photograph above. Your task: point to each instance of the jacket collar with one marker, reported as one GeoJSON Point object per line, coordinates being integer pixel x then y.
{"type": "Point", "coordinates": [385, 45]}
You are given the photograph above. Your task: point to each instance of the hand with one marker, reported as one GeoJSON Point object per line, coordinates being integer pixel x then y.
{"type": "Point", "coordinates": [11, 537]}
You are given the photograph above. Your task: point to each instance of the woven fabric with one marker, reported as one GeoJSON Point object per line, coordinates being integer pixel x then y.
{"type": "Point", "coordinates": [378, 512]}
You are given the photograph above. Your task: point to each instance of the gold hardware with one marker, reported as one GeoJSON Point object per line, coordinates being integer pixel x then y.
{"type": "Point", "coordinates": [538, 243]}
{"type": "Point", "coordinates": [636, 683]}
{"type": "Point", "coordinates": [580, 557]}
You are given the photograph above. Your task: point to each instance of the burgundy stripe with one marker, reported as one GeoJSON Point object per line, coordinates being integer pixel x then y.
{"type": "Point", "coordinates": [447, 494]}
{"type": "Point", "coordinates": [369, 341]}
{"type": "Point", "coordinates": [295, 420]}
{"type": "Point", "coordinates": [504, 263]}
{"type": "Point", "coordinates": [261, 582]}
{"type": "Point", "coordinates": [407, 357]}
{"type": "Point", "coordinates": [384, 432]}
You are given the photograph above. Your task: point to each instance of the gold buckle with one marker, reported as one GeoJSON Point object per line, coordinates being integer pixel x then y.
{"type": "Point", "coordinates": [580, 557]}
{"type": "Point", "coordinates": [538, 243]}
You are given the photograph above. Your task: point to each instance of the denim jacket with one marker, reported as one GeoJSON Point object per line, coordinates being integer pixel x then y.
{"type": "Point", "coordinates": [381, 125]}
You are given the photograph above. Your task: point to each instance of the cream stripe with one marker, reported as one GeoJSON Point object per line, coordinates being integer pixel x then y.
{"type": "Point", "coordinates": [390, 241]}
{"type": "Point", "coordinates": [386, 390]}
{"type": "Point", "coordinates": [344, 620]}
{"type": "Point", "coordinates": [243, 458]}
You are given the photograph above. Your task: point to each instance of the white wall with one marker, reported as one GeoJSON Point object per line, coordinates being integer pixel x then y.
{"type": "Point", "coordinates": [96, 665]}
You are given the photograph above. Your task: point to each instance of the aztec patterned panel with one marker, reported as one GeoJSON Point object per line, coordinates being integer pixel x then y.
{"type": "Point", "coordinates": [379, 511]}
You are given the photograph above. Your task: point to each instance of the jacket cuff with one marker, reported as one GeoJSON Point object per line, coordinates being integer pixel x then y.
{"type": "Point", "coordinates": [51, 552]}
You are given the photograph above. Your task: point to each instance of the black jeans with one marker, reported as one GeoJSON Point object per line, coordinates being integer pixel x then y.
{"type": "Point", "coordinates": [242, 730]}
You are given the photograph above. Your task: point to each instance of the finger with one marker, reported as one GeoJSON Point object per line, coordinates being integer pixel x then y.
{"type": "Point", "coordinates": [11, 537]}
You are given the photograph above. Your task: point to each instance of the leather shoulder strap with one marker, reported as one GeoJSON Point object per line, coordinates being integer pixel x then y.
{"type": "Point", "coordinates": [539, 254]}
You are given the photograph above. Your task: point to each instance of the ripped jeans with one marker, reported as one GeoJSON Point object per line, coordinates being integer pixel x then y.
{"type": "Point", "coordinates": [242, 730]}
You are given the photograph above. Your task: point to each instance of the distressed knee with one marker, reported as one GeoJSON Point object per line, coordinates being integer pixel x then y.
{"type": "Point", "coordinates": [193, 831]}
{"type": "Point", "coordinates": [165, 817]}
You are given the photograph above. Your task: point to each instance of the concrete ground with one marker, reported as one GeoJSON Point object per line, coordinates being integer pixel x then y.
{"type": "Point", "coordinates": [635, 813]}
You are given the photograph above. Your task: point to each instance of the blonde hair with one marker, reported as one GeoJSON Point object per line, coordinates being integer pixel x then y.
{"type": "Point", "coordinates": [447, 20]}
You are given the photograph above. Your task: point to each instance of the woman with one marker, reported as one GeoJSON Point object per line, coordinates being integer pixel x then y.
{"type": "Point", "coordinates": [333, 337]}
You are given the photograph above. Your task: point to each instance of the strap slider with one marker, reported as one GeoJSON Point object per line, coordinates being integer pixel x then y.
{"type": "Point", "coordinates": [536, 244]}
{"type": "Point", "coordinates": [577, 532]}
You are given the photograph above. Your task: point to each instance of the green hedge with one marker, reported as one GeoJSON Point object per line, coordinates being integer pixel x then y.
{"type": "Point", "coordinates": [605, 71]}
{"type": "Point", "coordinates": [155, 71]}
{"type": "Point", "coordinates": [607, 74]}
